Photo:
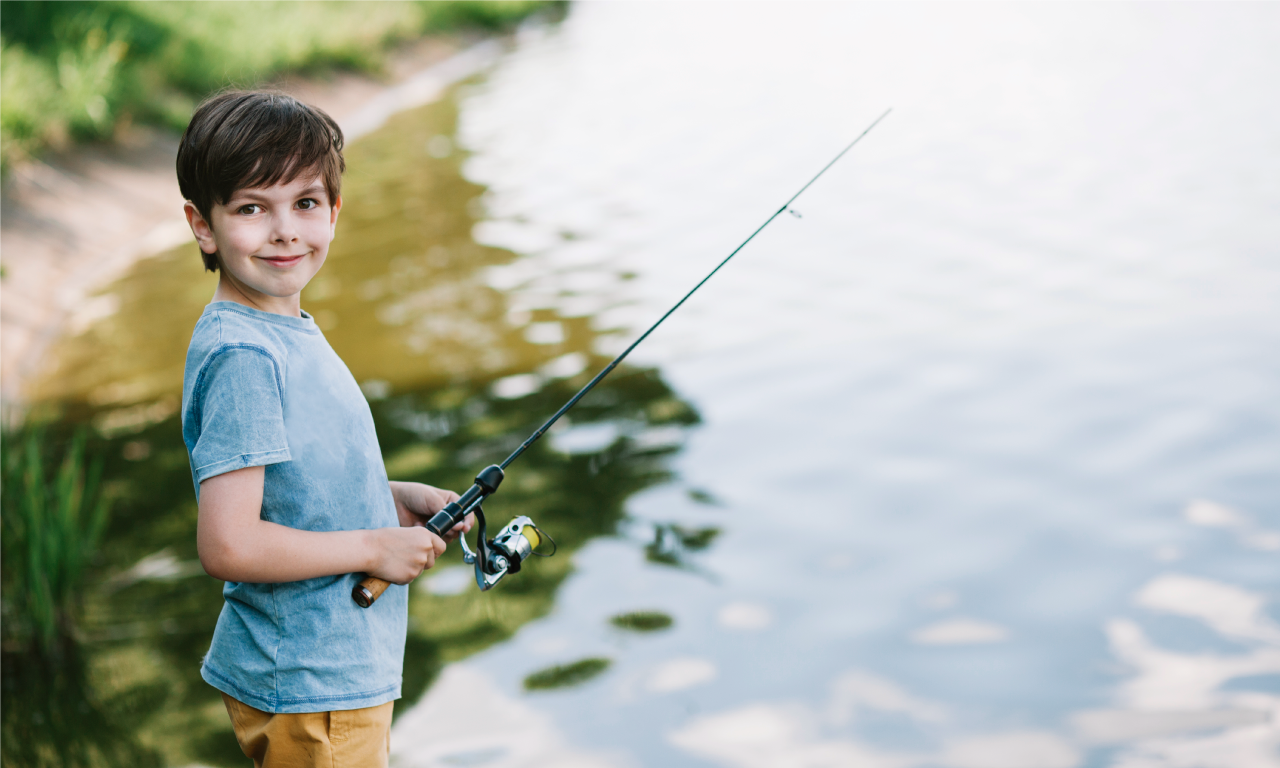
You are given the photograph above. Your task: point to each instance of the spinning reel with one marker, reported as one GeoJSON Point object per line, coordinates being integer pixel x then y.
{"type": "Point", "coordinates": [493, 558]}
{"type": "Point", "coordinates": [505, 552]}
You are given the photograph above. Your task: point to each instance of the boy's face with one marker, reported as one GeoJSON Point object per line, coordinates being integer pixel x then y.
{"type": "Point", "coordinates": [270, 240]}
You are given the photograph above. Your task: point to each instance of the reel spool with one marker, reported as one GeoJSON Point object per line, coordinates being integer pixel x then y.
{"type": "Point", "coordinates": [516, 542]}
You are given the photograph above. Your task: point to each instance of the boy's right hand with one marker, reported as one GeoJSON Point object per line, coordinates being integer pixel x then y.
{"type": "Point", "coordinates": [400, 555]}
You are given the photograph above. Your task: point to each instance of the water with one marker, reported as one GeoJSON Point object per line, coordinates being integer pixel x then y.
{"type": "Point", "coordinates": [977, 460]}
{"type": "Point", "coordinates": [954, 417]}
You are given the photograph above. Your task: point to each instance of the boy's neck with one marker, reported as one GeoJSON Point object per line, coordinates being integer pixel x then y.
{"type": "Point", "coordinates": [229, 290]}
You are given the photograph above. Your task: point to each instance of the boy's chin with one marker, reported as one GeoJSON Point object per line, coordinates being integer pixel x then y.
{"type": "Point", "coordinates": [284, 293]}
{"type": "Point", "coordinates": [271, 290]}
{"type": "Point", "coordinates": [283, 285]}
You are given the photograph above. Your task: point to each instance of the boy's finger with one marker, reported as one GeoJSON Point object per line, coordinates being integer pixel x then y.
{"type": "Point", "coordinates": [438, 545]}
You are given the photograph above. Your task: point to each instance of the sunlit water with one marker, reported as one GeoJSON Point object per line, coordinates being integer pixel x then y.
{"type": "Point", "coordinates": [988, 465]}
{"type": "Point", "coordinates": [957, 417]}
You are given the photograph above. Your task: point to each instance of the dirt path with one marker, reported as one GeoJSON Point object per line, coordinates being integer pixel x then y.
{"type": "Point", "coordinates": [72, 224]}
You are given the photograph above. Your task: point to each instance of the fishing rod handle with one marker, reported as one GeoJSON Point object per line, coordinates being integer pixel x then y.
{"type": "Point", "coordinates": [367, 592]}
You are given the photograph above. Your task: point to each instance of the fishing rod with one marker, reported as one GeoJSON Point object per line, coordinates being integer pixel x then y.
{"type": "Point", "coordinates": [521, 538]}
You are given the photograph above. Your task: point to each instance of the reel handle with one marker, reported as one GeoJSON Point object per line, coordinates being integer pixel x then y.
{"type": "Point", "coordinates": [367, 592]}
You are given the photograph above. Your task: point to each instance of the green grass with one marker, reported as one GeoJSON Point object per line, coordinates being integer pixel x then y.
{"type": "Point", "coordinates": [78, 71]}
{"type": "Point", "coordinates": [53, 519]}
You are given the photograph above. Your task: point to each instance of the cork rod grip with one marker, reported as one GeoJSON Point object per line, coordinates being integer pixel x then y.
{"type": "Point", "coordinates": [369, 590]}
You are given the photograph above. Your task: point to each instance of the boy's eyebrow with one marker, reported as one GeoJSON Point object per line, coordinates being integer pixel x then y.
{"type": "Point", "coordinates": [247, 194]}
{"type": "Point", "coordinates": [253, 194]}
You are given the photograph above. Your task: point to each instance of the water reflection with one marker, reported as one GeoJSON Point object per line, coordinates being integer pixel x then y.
{"type": "Point", "coordinates": [456, 379]}
{"type": "Point", "coordinates": [672, 543]}
{"type": "Point", "coordinates": [57, 715]}
{"type": "Point", "coordinates": [952, 416]}
{"type": "Point", "coordinates": [1169, 705]}
{"type": "Point", "coordinates": [1172, 704]}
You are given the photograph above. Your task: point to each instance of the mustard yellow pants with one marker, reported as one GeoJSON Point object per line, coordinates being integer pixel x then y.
{"type": "Point", "coordinates": [347, 738]}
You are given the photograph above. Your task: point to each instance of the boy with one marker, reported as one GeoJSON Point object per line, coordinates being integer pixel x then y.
{"type": "Point", "coordinates": [294, 501]}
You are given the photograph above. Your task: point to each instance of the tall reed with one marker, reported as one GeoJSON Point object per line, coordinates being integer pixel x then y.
{"type": "Point", "coordinates": [53, 517]}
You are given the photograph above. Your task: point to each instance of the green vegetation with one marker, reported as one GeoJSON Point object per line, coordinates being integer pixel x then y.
{"type": "Point", "coordinates": [52, 523]}
{"type": "Point", "coordinates": [642, 621]}
{"type": "Point", "coordinates": [563, 676]}
{"type": "Point", "coordinates": [53, 520]}
{"type": "Point", "coordinates": [77, 71]}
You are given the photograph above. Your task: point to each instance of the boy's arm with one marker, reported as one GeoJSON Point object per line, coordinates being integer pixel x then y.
{"type": "Point", "coordinates": [235, 544]}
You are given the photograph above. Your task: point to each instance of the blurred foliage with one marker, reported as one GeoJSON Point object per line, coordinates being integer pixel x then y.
{"type": "Point", "coordinates": [76, 71]}
{"type": "Point", "coordinates": [53, 518]}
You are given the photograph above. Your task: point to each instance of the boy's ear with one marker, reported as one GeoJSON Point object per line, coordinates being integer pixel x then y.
{"type": "Point", "coordinates": [333, 216]}
{"type": "Point", "coordinates": [199, 227]}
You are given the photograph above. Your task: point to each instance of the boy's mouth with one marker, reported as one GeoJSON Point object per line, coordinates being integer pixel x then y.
{"type": "Point", "coordinates": [283, 261]}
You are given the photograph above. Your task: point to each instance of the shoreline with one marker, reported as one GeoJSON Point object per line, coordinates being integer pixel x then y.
{"type": "Point", "coordinates": [73, 223]}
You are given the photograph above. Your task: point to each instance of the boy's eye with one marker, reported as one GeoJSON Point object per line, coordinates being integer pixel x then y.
{"type": "Point", "coordinates": [308, 203]}
{"type": "Point", "coordinates": [248, 209]}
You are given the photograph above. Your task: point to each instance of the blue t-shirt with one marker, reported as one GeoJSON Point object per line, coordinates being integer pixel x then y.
{"type": "Point", "coordinates": [264, 389]}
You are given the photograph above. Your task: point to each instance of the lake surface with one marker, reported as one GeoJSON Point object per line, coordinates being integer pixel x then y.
{"type": "Point", "coordinates": [975, 463]}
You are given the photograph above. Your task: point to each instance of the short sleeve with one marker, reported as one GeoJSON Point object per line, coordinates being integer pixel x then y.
{"type": "Point", "coordinates": [238, 401]}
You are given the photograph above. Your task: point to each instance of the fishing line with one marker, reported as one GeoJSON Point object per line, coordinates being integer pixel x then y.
{"type": "Point", "coordinates": [785, 207]}
{"type": "Point", "coordinates": [521, 537]}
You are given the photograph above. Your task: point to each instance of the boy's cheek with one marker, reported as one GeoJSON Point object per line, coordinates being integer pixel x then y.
{"type": "Point", "coordinates": [245, 241]}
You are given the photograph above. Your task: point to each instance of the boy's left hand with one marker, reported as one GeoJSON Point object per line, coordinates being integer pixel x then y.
{"type": "Point", "coordinates": [417, 502]}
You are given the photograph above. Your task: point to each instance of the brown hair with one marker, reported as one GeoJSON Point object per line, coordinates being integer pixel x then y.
{"type": "Point", "coordinates": [244, 139]}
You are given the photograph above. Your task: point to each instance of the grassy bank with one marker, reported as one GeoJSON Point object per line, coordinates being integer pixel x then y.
{"type": "Point", "coordinates": [80, 71]}
{"type": "Point", "coordinates": [53, 519]}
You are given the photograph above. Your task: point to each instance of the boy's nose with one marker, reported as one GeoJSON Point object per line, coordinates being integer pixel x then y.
{"type": "Point", "coordinates": [285, 230]}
